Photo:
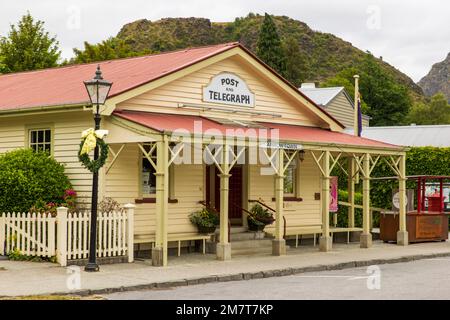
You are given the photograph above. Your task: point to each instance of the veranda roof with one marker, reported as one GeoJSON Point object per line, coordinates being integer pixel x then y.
{"type": "Point", "coordinates": [169, 123]}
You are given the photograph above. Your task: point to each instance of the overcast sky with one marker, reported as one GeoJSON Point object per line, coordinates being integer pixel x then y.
{"type": "Point", "coordinates": [409, 34]}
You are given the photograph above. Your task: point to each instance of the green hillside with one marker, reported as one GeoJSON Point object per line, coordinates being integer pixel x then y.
{"type": "Point", "coordinates": [323, 55]}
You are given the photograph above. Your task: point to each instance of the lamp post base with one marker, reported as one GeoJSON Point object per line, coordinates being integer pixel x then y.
{"type": "Point", "coordinates": [91, 267]}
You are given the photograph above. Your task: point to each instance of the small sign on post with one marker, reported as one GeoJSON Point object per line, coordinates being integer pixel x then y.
{"type": "Point", "coordinates": [409, 200]}
{"type": "Point", "coordinates": [280, 145]}
{"type": "Point", "coordinates": [334, 194]}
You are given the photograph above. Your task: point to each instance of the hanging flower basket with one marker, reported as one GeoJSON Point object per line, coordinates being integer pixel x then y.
{"type": "Point", "coordinates": [255, 227]}
{"type": "Point", "coordinates": [206, 230]}
{"type": "Point", "coordinates": [258, 218]}
{"type": "Point", "coordinates": [206, 220]}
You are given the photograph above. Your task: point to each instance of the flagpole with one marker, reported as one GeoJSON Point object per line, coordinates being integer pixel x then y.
{"type": "Point", "coordinates": [355, 106]}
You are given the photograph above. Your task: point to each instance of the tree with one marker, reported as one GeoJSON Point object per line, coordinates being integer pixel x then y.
{"type": "Point", "coordinates": [28, 47]}
{"type": "Point", "coordinates": [112, 48]}
{"type": "Point", "coordinates": [388, 102]}
{"type": "Point", "coordinates": [269, 47]}
{"type": "Point", "coordinates": [296, 71]}
{"type": "Point", "coordinates": [437, 111]}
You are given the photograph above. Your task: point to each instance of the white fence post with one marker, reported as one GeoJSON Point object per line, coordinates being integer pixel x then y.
{"type": "Point", "coordinates": [130, 232]}
{"type": "Point", "coordinates": [61, 219]}
{"type": "Point", "coordinates": [2, 233]}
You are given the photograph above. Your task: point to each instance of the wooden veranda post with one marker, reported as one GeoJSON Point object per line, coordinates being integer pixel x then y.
{"type": "Point", "coordinates": [402, 234]}
{"type": "Point", "coordinates": [223, 250]}
{"type": "Point", "coordinates": [351, 192]}
{"type": "Point", "coordinates": [366, 236]}
{"type": "Point", "coordinates": [325, 241]}
{"type": "Point", "coordinates": [159, 252]}
{"type": "Point", "coordinates": [279, 244]}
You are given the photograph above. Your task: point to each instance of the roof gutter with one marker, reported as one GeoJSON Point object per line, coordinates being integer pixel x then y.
{"type": "Point", "coordinates": [28, 110]}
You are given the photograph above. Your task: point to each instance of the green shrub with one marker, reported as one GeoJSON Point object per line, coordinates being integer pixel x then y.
{"type": "Point", "coordinates": [28, 179]}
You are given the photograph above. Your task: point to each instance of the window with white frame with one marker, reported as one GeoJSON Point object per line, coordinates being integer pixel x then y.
{"type": "Point", "coordinates": [290, 179]}
{"type": "Point", "coordinates": [40, 139]}
{"type": "Point", "coordinates": [148, 174]}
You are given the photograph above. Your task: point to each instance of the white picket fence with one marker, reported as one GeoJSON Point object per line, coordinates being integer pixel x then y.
{"type": "Point", "coordinates": [67, 235]}
{"type": "Point", "coordinates": [31, 234]}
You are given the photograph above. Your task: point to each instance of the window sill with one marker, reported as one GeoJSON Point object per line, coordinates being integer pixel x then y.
{"type": "Point", "coordinates": [290, 199]}
{"type": "Point", "coordinates": [153, 200]}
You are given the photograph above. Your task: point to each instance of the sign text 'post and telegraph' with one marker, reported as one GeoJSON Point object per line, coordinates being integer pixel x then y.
{"type": "Point", "coordinates": [228, 88]}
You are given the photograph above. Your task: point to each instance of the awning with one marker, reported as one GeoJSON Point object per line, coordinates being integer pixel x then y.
{"type": "Point", "coordinates": [201, 125]}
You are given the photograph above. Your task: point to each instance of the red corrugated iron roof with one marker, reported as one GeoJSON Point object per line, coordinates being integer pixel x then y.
{"type": "Point", "coordinates": [64, 85]}
{"type": "Point", "coordinates": [292, 133]}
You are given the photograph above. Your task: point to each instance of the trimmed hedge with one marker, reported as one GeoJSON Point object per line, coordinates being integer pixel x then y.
{"type": "Point", "coordinates": [419, 161]}
{"type": "Point", "coordinates": [342, 214]}
{"type": "Point", "coordinates": [27, 178]}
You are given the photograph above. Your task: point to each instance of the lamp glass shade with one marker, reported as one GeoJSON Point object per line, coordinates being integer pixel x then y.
{"type": "Point", "coordinates": [98, 88]}
{"type": "Point", "coordinates": [98, 92]}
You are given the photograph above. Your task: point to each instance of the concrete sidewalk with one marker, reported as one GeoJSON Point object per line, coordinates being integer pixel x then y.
{"type": "Point", "coordinates": [31, 278]}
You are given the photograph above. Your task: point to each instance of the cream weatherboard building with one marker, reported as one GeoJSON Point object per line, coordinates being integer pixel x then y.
{"type": "Point", "coordinates": [183, 130]}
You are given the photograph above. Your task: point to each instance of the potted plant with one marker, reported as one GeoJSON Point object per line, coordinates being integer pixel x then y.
{"type": "Point", "coordinates": [206, 220]}
{"type": "Point", "coordinates": [258, 218]}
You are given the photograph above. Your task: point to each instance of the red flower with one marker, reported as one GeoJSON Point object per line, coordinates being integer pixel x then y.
{"type": "Point", "coordinates": [70, 193]}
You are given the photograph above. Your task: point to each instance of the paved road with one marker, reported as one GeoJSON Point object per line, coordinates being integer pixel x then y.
{"type": "Point", "coordinates": [423, 279]}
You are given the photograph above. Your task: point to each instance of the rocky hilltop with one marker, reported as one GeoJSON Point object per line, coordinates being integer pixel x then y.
{"type": "Point", "coordinates": [438, 79]}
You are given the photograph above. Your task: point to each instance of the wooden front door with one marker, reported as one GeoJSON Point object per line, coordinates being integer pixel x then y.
{"type": "Point", "coordinates": [234, 196]}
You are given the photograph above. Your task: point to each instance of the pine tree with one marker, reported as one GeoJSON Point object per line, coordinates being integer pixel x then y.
{"type": "Point", "coordinates": [269, 47]}
{"type": "Point", "coordinates": [28, 47]}
{"type": "Point", "coordinates": [296, 69]}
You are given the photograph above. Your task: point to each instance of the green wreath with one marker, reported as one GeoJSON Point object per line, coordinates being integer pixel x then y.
{"type": "Point", "coordinates": [94, 165]}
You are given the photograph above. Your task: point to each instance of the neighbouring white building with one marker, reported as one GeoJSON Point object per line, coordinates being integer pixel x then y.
{"type": "Point", "coordinates": [411, 136]}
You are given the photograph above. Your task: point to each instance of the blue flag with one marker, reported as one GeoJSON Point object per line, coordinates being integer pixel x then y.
{"type": "Point", "coordinates": [359, 116]}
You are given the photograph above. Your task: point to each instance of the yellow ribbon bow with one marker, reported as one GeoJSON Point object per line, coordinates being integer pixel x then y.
{"type": "Point", "coordinates": [90, 135]}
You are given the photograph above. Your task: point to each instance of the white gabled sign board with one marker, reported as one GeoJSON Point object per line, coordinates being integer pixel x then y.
{"type": "Point", "coordinates": [228, 88]}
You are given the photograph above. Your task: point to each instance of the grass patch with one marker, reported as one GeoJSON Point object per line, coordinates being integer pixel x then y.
{"type": "Point", "coordinates": [16, 255]}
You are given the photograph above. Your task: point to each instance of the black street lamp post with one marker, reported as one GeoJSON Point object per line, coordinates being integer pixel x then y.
{"type": "Point", "coordinates": [98, 90]}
